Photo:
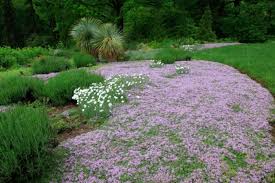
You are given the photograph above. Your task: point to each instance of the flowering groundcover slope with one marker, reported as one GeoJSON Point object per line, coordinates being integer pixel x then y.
{"type": "Point", "coordinates": [209, 125]}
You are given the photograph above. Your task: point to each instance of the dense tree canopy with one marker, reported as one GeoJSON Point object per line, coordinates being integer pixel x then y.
{"type": "Point", "coordinates": [46, 22]}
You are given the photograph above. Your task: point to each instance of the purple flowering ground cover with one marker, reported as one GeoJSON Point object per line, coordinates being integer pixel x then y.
{"type": "Point", "coordinates": [206, 126]}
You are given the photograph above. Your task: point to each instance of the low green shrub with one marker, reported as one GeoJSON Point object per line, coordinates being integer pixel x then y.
{"type": "Point", "coordinates": [60, 89]}
{"type": "Point", "coordinates": [45, 65]}
{"type": "Point", "coordinates": [83, 60]}
{"type": "Point", "coordinates": [171, 55]}
{"type": "Point", "coordinates": [19, 88]}
{"type": "Point", "coordinates": [25, 136]}
{"type": "Point", "coordinates": [22, 56]}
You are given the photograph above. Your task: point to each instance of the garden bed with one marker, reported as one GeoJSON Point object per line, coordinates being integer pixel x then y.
{"type": "Point", "coordinates": [207, 125]}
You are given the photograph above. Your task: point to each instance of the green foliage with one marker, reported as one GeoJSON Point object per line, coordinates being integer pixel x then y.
{"type": "Point", "coordinates": [25, 71]}
{"type": "Point", "coordinates": [60, 89]}
{"type": "Point", "coordinates": [9, 21]}
{"type": "Point", "coordinates": [24, 56]}
{"type": "Point", "coordinates": [142, 55]}
{"type": "Point", "coordinates": [145, 21]}
{"type": "Point", "coordinates": [256, 60]}
{"type": "Point", "coordinates": [270, 178]}
{"type": "Point", "coordinates": [142, 23]}
{"type": "Point", "coordinates": [236, 108]}
{"type": "Point", "coordinates": [83, 60]}
{"type": "Point", "coordinates": [7, 61]}
{"type": "Point", "coordinates": [19, 88]}
{"type": "Point", "coordinates": [205, 26]}
{"type": "Point", "coordinates": [45, 65]}
{"type": "Point", "coordinates": [46, 22]}
{"type": "Point", "coordinates": [39, 40]}
{"type": "Point", "coordinates": [171, 55]}
{"type": "Point", "coordinates": [252, 29]}
{"type": "Point", "coordinates": [67, 53]}
{"type": "Point", "coordinates": [185, 165]}
{"type": "Point", "coordinates": [235, 163]}
{"type": "Point", "coordinates": [25, 136]}
{"type": "Point", "coordinates": [240, 25]}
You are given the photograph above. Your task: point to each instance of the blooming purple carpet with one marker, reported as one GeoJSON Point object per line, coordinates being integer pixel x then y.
{"type": "Point", "coordinates": [206, 126]}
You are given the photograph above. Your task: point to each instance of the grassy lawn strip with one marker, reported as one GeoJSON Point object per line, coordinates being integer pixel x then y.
{"type": "Point", "coordinates": [255, 60]}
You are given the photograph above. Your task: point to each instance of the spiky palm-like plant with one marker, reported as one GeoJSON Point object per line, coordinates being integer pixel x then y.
{"type": "Point", "coordinates": [98, 39]}
{"type": "Point", "coordinates": [108, 41]}
{"type": "Point", "coordinates": [83, 34]}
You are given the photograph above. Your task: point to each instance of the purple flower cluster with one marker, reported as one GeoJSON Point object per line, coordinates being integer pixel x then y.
{"type": "Point", "coordinates": [209, 125]}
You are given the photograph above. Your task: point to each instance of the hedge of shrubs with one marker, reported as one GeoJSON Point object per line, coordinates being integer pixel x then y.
{"type": "Point", "coordinates": [24, 147]}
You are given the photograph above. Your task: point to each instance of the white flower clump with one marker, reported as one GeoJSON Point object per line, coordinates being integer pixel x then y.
{"type": "Point", "coordinates": [182, 69]}
{"type": "Point", "coordinates": [99, 98]}
{"type": "Point", "coordinates": [156, 64]}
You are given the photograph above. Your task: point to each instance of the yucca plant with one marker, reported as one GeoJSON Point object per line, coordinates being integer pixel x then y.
{"type": "Point", "coordinates": [108, 41]}
{"type": "Point", "coordinates": [83, 33]}
{"type": "Point", "coordinates": [98, 39]}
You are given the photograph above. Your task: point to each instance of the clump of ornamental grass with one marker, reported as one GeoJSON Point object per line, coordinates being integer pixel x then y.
{"type": "Point", "coordinates": [156, 64]}
{"type": "Point", "coordinates": [25, 140]}
{"type": "Point", "coordinates": [60, 89]}
{"type": "Point", "coordinates": [182, 69]}
{"type": "Point", "coordinates": [98, 99]}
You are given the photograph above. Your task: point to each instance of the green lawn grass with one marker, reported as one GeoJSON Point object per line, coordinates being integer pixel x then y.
{"type": "Point", "coordinates": [255, 60]}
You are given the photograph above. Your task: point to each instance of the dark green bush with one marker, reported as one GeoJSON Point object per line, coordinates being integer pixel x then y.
{"type": "Point", "coordinates": [83, 60]}
{"type": "Point", "coordinates": [254, 29]}
{"type": "Point", "coordinates": [7, 61]}
{"type": "Point", "coordinates": [60, 89]}
{"type": "Point", "coordinates": [25, 136]}
{"type": "Point", "coordinates": [40, 40]}
{"type": "Point", "coordinates": [50, 64]}
{"type": "Point", "coordinates": [19, 88]}
{"type": "Point", "coordinates": [240, 24]}
{"type": "Point", "coordinates": [206, 32]}
{"type": "Point", "coordinates": [171, 55]}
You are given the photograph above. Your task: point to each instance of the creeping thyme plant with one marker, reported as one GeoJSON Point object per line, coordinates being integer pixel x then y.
{"type": "Point", "coordinates": [99, 98]}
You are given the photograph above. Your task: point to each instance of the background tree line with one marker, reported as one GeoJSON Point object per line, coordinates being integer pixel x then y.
{"type": "Point", "coordinates": [47, 22]}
